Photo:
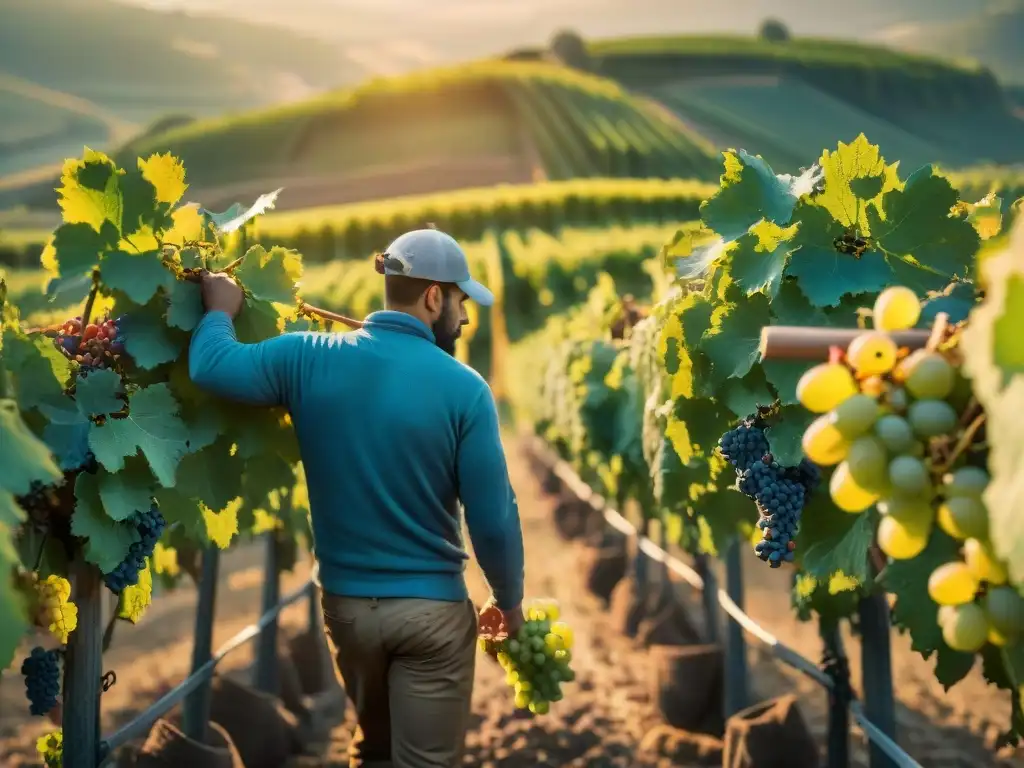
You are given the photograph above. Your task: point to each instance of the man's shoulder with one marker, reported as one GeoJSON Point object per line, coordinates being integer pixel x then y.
{"type": "Point", "coordinates": [460, 373]}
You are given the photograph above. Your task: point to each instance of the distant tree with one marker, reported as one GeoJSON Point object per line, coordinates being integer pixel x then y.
{"type": "Point", "coordinates": [570, 49]}
{"type": "Point", "coordinates": [774, 31]}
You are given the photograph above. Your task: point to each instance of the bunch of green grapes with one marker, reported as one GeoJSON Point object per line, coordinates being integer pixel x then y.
{"type": "Point", "coordinates": [537, 660]}
{"type": "Point", "coordinates": [903, 433]}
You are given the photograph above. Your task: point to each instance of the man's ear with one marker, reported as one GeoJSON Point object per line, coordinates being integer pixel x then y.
{"type": "Point", "coordinates": [433, 299]}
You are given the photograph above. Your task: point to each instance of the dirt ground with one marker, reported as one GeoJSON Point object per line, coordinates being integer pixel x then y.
{"type": "Point", "coordinates": [606, 712]}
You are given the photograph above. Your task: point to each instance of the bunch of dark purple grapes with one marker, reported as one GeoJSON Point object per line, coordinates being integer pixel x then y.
{"type": "Point", "coordinates": [780, 492]}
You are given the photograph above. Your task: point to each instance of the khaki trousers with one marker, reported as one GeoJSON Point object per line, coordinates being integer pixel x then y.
{"type": "Point", "coordinates": [407, 665]}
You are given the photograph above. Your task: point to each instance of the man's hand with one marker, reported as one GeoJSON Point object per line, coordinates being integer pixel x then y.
{"type": "Point", "coordinates": [495, 622]}
{"type": "Point", "coordinates": [221, 294]}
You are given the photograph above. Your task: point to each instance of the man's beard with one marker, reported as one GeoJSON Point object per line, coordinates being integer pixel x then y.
{"type": "Point", "coordinates": [444, 337]}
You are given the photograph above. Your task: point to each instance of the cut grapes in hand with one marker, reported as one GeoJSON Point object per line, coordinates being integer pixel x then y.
{"type": "Point", "coordinates": [537, 659]}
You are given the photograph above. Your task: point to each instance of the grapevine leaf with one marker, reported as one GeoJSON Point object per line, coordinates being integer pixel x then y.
{"type": "Point", "coordinates": [855, 175]}
{"type": "Point", "coordinates": [749, 192]}
{"type": "Point", "coordinates": [185, 305]}
{"type": "Point", "coordinates": [148, 340]}
{"type": "Point", "coordinates": [821, 520]}
{"type": "Point", "coordinates": [137, 275]}
{"type": "Point", "coordinates": [915, 222]}
{"type": "Point", "coordinates": [127, 492]}
{"type": "Point", "coordinates": [221, 526]}
{"type": "Point", "coordinates": [24, 458]}
{"type": "Point", "coordinates": [167, 175]}
{"type": "Point", "coordinates": [733, 342]}
{"type": "Point", "coordinates": [994, 361]}
{"type": "Point", "coordinates": [785, 435]}
{"type": "Point", "coordinates": [187, 226]}
{"type": "Point", "coordinates": [79, 247]}
{"type": "Point", "coordinates": [920, 279]}
{"type": "Point", "coordinates": [724, 511]}
{"type": "Point", "coordinates": [825, 275]}
{"type": "Point", "coordinates": [915, 612]}
{"type": "Point", "coordinates": [152, 426]}
{"type": "Point", "coordinates": [693, 261]}
{"type": "Point", "coordinates": [107, 541]}
{"type": "Point", "coordinates": [956, 300]}
{"type": "Point", "coordinates": [178, 508]}
{"type": "Point", "coordinates": [759, 257]}
{"type": "Point", "coordinates": [783, 375]}
{"type": "Point", "coordinates": [13, 621]}
{"type": "Point", "coordinates": [69, 442]}
{"type": "Point", "coordinates": [88, 192]}
{"type": "Point", "coordinates": [234, 217]}
{"type": "Point", "coordinates": [257, 431]}
{"type": "Point", "coordinates": [846, 554]}
{"type": "Point", "coordinates": [671, 477]}
{"type": "Point", "coordinates": [832, 599]}
{"type": "Point", "coordinates": [211, 475]}
{"type": "Point", "coordinates": [743, 396]}
{"type": "Point", "coordinates": [66, 292]}
{"type": "Point", "coordinates": [98, 393]}
{"type": "Point", "coordinates": [142, 214]}
{"type": "Point", "coordinates": [270, 275]}
{"type": "Point", "coordinates": [791, 307]}
{"type": "Point", "coordinates": [39, 371]}
{"type": "Point", "coordinates": [694, 312]}
{"type": "Point", "coordinates": [699, 424]}
{"type": "Point", "coordinates": [136, 598]}
{"type": "Point", "coordinates": [257, 321]}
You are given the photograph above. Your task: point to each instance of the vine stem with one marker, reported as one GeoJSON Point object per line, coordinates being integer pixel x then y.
{"type": "Point", "coordinates": [309, 309]}
{"type": "Point", "coordinates": [89, 302]}
{"type": "Point", "coordinates": [965, 440]}
{"type": "Point", "coordinates": [42, 548]}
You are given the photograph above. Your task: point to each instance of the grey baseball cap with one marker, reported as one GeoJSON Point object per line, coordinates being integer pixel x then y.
{"type": "Point", "coordinates": [430, 254]}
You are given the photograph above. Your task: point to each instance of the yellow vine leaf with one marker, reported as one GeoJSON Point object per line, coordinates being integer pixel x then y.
{"type": "Point", "coordinates": [87, 204]}
{"type": "Point", "coordinates": [61, 614]}
{"type": "Point", "coordinates": [165, 560]}
{"type": "Point", "coordinates": [264, 522]}
{"type": "Point", "coordinates": [167, 175]}
{"type": "Point", "coordinates": [187, 226]}
{"type": "Point", "coordinates": [222, 526]}
{"type": "Point", "coordinates": [137, 598]}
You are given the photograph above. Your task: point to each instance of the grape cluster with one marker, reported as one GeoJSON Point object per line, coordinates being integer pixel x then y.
{"type": "Point", "coordinates": [150, 527]}
{"type": "Point", "coordinates": [536, 661]}
{"type": "Point", "coordinates": [780, 492]}
{"type": "Point", "coordinates": [42, 680]}
{"type": "Point", "coordinates": [40, 503]}
{"type": "Point", "coordinates": [898, 428]}
{"type": "Point", "coordinates": [98, 345]}
{"type": "Point", "coordinates": [744, 444]}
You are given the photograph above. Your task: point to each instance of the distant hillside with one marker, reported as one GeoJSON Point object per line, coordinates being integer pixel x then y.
{"type": "Point", "coordinates": [484, 123]}
{"type": "Point", "coordinates": [790, 98]}
{"type": "Point", "coordinates": [994, 36]}
{"type": "Point", "coordinates": [134, 65]}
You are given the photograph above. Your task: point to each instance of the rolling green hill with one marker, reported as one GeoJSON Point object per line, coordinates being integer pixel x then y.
{"type": "Point", "coordinates": [473, 125]}
{"type": "Point", "coordinates": [788, 99]}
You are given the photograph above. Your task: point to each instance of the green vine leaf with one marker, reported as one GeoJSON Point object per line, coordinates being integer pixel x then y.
{"type": "Point", "coordinates": [107, 541]}
{"type": "Point", "coordinates": [152, 427]}
{"type": "Point", "coordinates": [733, 342]}
{"type": "Point", "coordinates": [24, 459]}
{"type": "Point", "coordinates": [138, 275]}
{"type": "Point", "coordinates": [915, 222]}
{"type": "Point", "coordinates": [824, 274]}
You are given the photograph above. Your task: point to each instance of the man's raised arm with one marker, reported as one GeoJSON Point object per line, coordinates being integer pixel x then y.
{"type": "Point", "coordinates": [492, 514]}
{"type": "Point", "coordinates": [219, 363]}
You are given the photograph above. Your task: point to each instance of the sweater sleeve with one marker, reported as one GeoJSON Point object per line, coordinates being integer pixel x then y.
{"type": "Point", "coordinates": [258, 374]}
{"type": "Point", "coordinates": [492, 513]}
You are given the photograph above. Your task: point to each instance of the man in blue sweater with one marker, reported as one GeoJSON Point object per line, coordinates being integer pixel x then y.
{"type": "Point", "coordinates": [394, 433]}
